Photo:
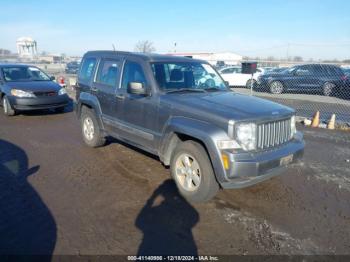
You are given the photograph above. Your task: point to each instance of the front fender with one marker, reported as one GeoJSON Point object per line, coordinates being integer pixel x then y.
{"type": "Point", "coordinates": [205, 132]}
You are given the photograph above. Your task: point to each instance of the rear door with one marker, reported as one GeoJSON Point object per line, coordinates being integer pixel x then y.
{"type": "Point", "coordinates": [86, 74]}
{"type": "Point", "coordinates": [304, 78]}
{"type": "Point", "coordinates": [105, 84]}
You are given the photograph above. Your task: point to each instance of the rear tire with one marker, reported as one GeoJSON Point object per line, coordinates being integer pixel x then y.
{"type": "Point", "coordinates": [90, 129]}
{"type": "Point", "coordinates": [193, 173]}
{"type": "Point", "coordinates": [6, 106]}
{"type": "Point", "coordinates": [328, 89]}
{"type": "Point", "coordinates": [276, 87]}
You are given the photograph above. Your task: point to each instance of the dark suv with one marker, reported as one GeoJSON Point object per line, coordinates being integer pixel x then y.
{"type": "Point", "coordinates": [181, 110]}
{"type": "Point", "coordinates": [315, 78]}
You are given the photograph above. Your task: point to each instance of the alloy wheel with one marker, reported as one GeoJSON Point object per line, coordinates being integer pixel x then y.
{"type": "Point", "coordinates": [188, 173]}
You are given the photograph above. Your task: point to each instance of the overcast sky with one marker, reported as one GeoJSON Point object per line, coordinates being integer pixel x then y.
{"type": "Point", "coordinates": [308, 28]}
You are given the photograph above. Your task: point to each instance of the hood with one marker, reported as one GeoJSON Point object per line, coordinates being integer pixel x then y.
{"type": "Point", "coordinates": [36, 86]}
{"type": "Point", "coordinates": [227, 105]}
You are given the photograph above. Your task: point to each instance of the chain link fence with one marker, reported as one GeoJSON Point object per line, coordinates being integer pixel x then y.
{"type": "Point", "coordinates": [306, 87]}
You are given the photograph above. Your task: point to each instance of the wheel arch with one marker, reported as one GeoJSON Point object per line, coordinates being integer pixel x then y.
{"type": "Point", "coordinates": [184, 129]}
{"type": "Point", "coordinates": [91, 102]}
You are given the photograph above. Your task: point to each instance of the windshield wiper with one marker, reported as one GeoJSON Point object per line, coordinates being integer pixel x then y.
{"type": "Point", "coordinates": [186, 90]}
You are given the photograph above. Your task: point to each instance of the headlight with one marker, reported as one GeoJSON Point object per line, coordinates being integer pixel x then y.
{"type": "Point", "coordinates": [246, 135]}
{"type": "Point", "coordinates": [293, 126]}
{"type": "Point", "coordinates": [21, 93]}
{"type": "Point", "coordinates": [62, 91]}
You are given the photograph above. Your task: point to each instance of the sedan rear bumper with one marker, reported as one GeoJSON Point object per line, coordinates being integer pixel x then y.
{"type": "Point", "coordinates": [37, 103]}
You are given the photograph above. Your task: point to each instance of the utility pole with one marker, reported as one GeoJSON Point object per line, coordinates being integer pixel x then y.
{"type": "Point", "coordinates": [175, 44]}
{"type": "Point", "coordinates": [288, 46]}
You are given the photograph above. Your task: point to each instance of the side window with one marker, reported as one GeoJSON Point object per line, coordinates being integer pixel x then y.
{"type": "Point", "coordinates": [133, 72]}
{"type": "Point", "coordinates": [87, 69]}
{"type": "Point", "coordinates": [303, 71]}
{"type": "Point", "coordinates": [108, 73]}
{"type": "Point", "coordinates": [227, 71]}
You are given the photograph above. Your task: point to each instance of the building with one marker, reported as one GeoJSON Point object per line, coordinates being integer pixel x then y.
{"type": "Point", "coordinates": [213, 58]}
{"type": "Point", "coordinates": [26, 47]}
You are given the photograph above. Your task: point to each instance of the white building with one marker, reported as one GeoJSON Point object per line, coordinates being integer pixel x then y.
{"type": "Point", "coordinates": [227, 57]}
{"type": "Point", "coordinates": [26, 47]}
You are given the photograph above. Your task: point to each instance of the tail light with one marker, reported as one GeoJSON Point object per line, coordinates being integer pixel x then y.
{"type": "Point", "coordinates": [61, 80]}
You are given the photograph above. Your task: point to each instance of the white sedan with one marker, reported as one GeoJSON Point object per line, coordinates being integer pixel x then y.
{"type": "Point", "coordinates": [233, 75]}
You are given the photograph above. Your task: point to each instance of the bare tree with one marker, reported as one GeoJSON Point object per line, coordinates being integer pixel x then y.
{"type": "Point", "coordinates": [145, 47]}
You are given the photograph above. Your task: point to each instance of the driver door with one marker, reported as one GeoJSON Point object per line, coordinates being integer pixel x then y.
{"type": "Point", "coordinates": [137, 114]}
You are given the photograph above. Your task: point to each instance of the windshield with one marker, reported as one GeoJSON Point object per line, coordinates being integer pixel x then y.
{"type": "Point", "coordinates": [187, 75]}
{"type": "Point", "coordinates": [24, 73]}
{"type": "Point", "coordinates": [289, 70]}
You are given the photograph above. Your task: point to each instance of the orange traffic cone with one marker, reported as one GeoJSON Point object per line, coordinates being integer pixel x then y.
{"type": "Point", "coordinates": [316, 120]}
{"type": "Point", "coordinates": [331, 123]}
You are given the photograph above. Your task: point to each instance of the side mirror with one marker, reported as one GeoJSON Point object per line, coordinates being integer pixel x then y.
{"type": "Point", "coordinates": [227, 83]}
{"type": "Point", "coordinates": [136, 88]}
{"type": "Point", "coordinates": [52, 78]}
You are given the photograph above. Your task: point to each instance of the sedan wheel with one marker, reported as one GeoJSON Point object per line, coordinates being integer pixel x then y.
{"type": "Point", "coordinates": [7, 108]}
{"type": "Point", "coordinates": [276, 87]}
{"type": "Point", "coordinates": [328, 89]}
{"type": "Point", "coordinates": [4, 106]}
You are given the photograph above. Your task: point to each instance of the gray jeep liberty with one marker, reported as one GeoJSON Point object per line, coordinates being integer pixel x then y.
{"type": "Point", "coordinates": [181, 110]}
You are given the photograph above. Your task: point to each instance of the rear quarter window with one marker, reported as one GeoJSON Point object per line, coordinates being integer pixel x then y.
{"type": "Point", "coordinates": [87, 69]}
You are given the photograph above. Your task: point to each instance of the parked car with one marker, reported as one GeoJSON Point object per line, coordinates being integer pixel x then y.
{"type": "Point", "coordinates": [24, 87]}
{"type": "Point", "coordinates": [233, 75]}
{"type": "Point", "coordinates": [210, 136]}
{"type": "Point", "coordinates": [72, 67]}
{"type": "Point", "coordinates": [320, 78]}
{"type": "Point", "coordinates": [346, 71]}
{"type": "Point", "coordinates": [277, 70]}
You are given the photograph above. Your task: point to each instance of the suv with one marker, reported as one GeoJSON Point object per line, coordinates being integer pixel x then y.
{"type": "Point", "coordinates": [326, 79]}
{"type": "Point", "coordinates": [181, 110]}
{"type": "Point", "coordinates": [72, 67]}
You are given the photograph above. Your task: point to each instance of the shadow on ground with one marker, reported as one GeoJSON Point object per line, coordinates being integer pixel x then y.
{"type": "Point", "coordinates": [166, 221]}
{"type": "Point", "coordinates": [26, 224]}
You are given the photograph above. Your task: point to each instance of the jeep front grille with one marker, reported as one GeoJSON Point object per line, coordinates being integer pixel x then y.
{"type": "Point", "coordinates": [272, 134]}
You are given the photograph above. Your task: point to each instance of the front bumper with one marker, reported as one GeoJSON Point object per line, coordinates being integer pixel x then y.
{"type": "Point", "coordinates": [37, 103]}
{"type": "Point", "coordinates": [247, 169]}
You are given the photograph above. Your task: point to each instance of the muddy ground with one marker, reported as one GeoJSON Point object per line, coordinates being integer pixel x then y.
{"type": "Point", "coordinates": [59, 196]}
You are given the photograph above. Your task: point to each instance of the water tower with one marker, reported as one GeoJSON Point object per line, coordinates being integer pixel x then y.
{"type": "Point", "coordinates": [26, 47]}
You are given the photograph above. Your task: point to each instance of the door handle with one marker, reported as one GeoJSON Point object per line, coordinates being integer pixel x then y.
{"type": "Point", "coordinates": [121, 97]}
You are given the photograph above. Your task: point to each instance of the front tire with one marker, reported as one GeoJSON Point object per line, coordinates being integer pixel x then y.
{"type": "Point", "coordinates": [193, 173]}
{"type": "Point", "coordinates": [276, 87]}
{"type": "Point", "coordinates": [6, 106]}
{"type": "Point", "coordinates": [90, 129]}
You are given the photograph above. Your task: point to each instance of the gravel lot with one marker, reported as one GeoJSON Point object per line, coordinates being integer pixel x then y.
{"type": "Point", "coordinates": [58, 196]}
